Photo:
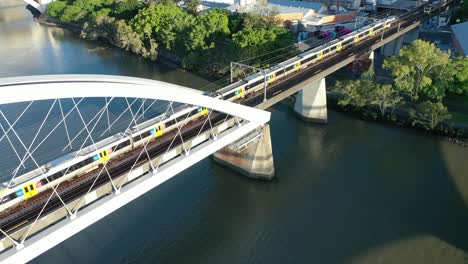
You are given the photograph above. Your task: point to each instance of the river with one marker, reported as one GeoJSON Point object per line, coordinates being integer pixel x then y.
{"type": "Point", "coordinates": [347, 192]}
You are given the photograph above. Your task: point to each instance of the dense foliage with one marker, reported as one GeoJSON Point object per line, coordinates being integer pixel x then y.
{"type": "Point", "coordinates": [206, 43]}
{"type": "Point", "coordinates": [422, 77]}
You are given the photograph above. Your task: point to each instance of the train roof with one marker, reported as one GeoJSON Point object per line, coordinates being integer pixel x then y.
{"type": "Point", "coordinates": [148, 123]}
{"type": "Point", "coordinates": [97, 146]}
{"type": "Point", "coordinates": [29, 175]}
{"type": "Point", "coordinates": [253, 76]}
{"type": "Point", "coordinates": [230, 86]}
{"type": "Point", "coordinates": [287, 62]}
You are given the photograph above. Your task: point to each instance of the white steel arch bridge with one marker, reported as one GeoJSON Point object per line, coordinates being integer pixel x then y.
{"type": "Point", "coordinates": [50, 203]}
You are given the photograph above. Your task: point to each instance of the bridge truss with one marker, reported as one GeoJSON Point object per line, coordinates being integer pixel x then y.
{"type": "Point", "coordinates": [54, 189]}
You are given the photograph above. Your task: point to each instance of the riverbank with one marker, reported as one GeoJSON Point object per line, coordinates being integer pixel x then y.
{"type": "Point", "coordinates": [454, 132]}
{"type": "Point", "coordinates": [164, 57]}
{"type": "Point", "coordinates": [204, 43]}
{"type": "Point", "coordinates": [451, 131]}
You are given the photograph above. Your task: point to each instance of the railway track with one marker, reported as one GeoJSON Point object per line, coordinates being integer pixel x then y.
{"type": "Point", "coordinates": [27, 211]}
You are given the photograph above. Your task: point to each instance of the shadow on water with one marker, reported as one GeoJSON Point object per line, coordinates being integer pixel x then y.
{"type": "Point", "coordinates": [348, 192]}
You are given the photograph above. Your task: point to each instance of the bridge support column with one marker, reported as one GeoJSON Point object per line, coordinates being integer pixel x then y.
{"type": "Point", "coordinates": [252, 158]}
{"type": "Point", "coordinates": [411, 36]}
{"type": "Point", "coordinates": [311, 102]}
{"type": "Point", "coordinates": [369, 74]}
{"type": "Point", "coordinates": [393, 47]}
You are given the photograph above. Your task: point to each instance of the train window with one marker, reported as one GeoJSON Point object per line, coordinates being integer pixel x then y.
{"type": "Point", "coordinates": [309, 59]}
{"type": "Point", "coordinates": [44, 181]}
{"type": "Point", "coordinates": [170, 123]}
{"type": "Point", "coordinates": [7, 198]}
{"type": "Point", "coordinates": [290, 67]}
{"type": "Point", "coordinates": [325, 51]}
{"type": "Point", "coordinates": [252, 85]}
{"type": "Point", "coordinates": [26, 189]}
{"type": "Point", "coordinates": [347, 41]}
{"type": "Point", "coordinates": [122, 145]}
{"type": "Point", "coordinates": [146, 134]}
{"type": "Point", "coordinates": [193, 112]}
{"type": "Point", "coordinates": [31, 186]}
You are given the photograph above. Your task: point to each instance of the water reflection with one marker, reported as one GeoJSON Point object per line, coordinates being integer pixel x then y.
{"type": "Point", "coordinates": [347, 192]}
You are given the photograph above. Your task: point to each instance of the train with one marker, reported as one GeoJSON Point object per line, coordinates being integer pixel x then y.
{"type": "Point", "coordinates": [431, 7]}
{"type": "Point", "coordinates": [74, 164]}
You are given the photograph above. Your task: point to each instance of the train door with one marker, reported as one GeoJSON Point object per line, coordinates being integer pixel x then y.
{"type": "Point", "coordinates": [29, 190]}
{"type": "Point", "coordinates": [371, 32]}
{"type": "Point", "coordinates": [103, 156]}
{"type": "Point", "coordinates": [356, 39]}
{"type": "Point", "coordinates": [202, 110]}
{"type": "Point", "coordinates": [320, 55]}
{"type": "Point", "coordinates": [240, 92]}
{"type": "Point", "coordinates": [339, 47]}
{"type": "Point", "coordinates": [270, 77]}
{"type": "Point", "coordinates": [297, 66]}
{"type": "Point", "coordinates": [158, 130]}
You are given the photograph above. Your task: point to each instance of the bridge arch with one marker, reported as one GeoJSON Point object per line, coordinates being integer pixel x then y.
{"type": "Point", "coordinates": [36, 88]}
{"type": "Point", "coordinates": [22, 89]}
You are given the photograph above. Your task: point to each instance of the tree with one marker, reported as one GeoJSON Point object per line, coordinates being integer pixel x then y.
{"type": "Point", "coordinates": [384, 96]}
{"type": "Point", "coordinates": [72, 14]}
{"type": "Point", "coordinates": [192, 6]}
{"type": "Point", "coordinates": [419, 69]}
{"type": "Point", "coordinates": [92, 5]}
{"type": "Point", "coordinates": [256, 21]}
{"type": "Point", "coordinates": [127, 9]}
{"type": "Point", "coordinates": [253, 37]}
{"type": "Point", "coordinates": [119, 34]}
{"type": "Point", "coordinates": [460, 76]}
{"type": "Point", "coordinates": [99, 13]}
{"type": "Point", "coordinates": [101, 27]}
{"type": "Point", "coordinates": [207, 29]}
{"type": "Point", "coordinates": [429, 114]}
{"type": "Point", "coordinates": [56, 8]}
{"type": "Point", "coordinates": [361, 93]}
{"type": "Point", "coordinates": [165, 23]}
{"type": "Point", "coordinates": [354, 93]}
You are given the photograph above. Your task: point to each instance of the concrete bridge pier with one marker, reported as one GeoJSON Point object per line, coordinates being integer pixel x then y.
{"type": "Point", "coordinates": [251, 156]}
{"type": "Point", "coordinates": [311, 102]}
{"type": "Point", "coordinates": [369, 74]}
{"type": "Point", "coordinates": [393, 47]}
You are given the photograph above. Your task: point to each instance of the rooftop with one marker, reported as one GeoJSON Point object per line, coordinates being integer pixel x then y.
{"type": "Point", "coordinates": [460, 31]}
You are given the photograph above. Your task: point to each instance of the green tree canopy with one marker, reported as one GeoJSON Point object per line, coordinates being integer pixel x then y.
{"type": "Point", "coordinates": [460, 78]}
{"type": "Point", "coordinates": [207, 29]}
{"type": "Point", "coordinates": [361, 93]}
{"type": "Point", "coordinates": [253, 37]}
{"type": "Point", "coordinates": [384, 96]}
{"type": "Point", "coordinates": [354, 93]}
{"type": "Point", "coordinates": [56, 8]}
{"type": "Point", "coordinates": [73, 14]}
{"type": "Point", "coordinates": [192, 6]}
{"type": "Point", "coordinates": [429, 114]}
{"type": "Point", "coordinates": [118, 33]}
{"type": "Point", "coordinates": [164, 23]}
{"type": "Point", "coordinates": [127, 9]}
{"type": "Point", "coordinates": [89, 6]}
{"type": "Point", "coordinates": [420, 69]}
